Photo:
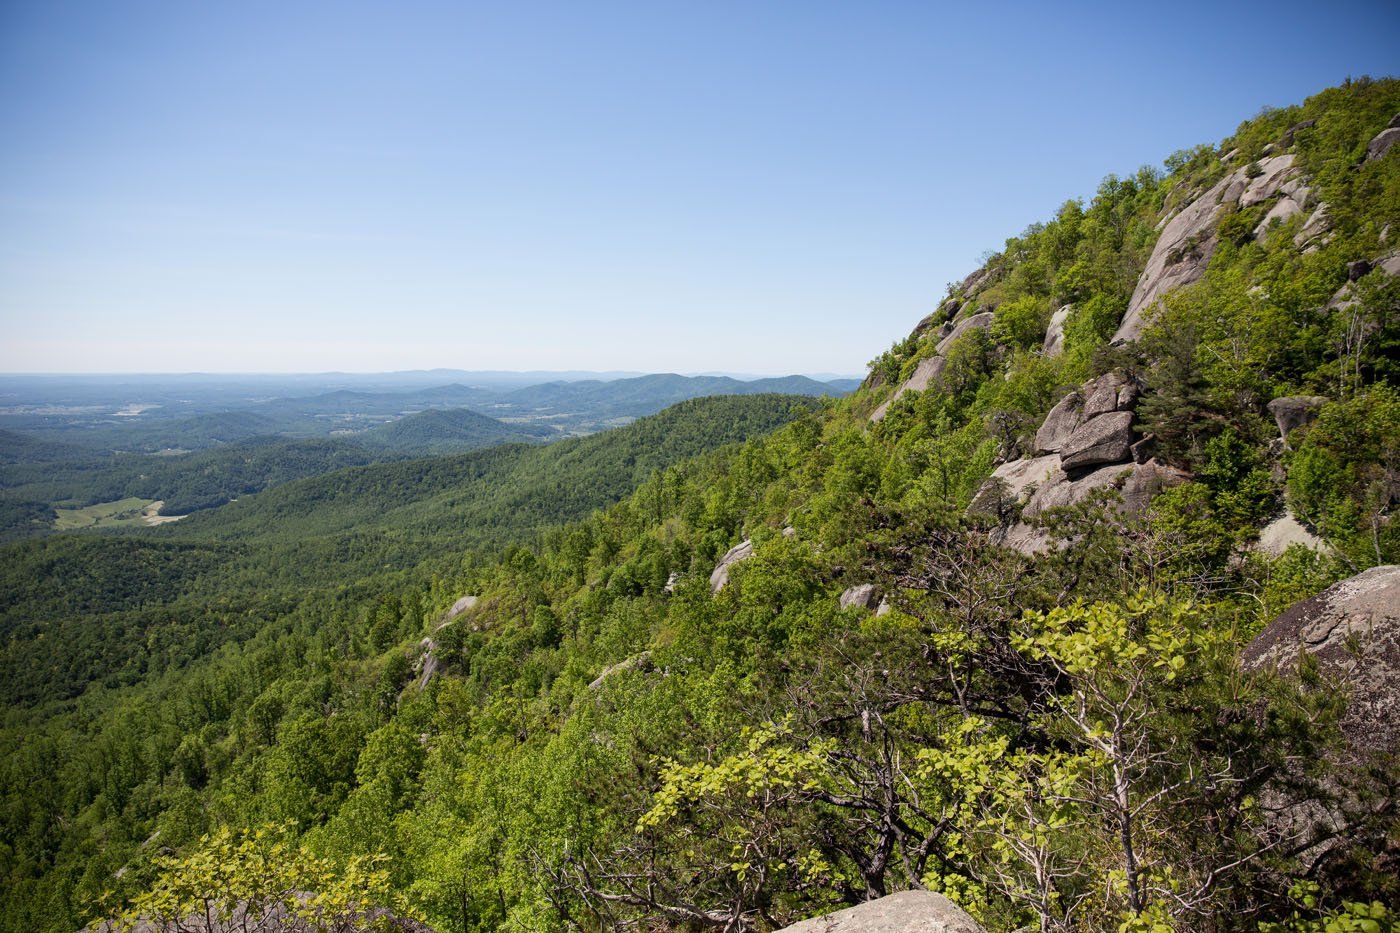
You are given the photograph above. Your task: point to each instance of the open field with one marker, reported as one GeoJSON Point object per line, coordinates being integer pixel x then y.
{"type": "Point", "coordinates": [128, 512]}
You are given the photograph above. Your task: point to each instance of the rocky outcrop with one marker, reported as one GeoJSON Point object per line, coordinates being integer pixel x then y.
{"type": "Point", "coordinates": [1352, 630]}
{"type": "Point", "coordinates": [905, 912]}
{"type": "Point", "coordinates": [1345, 296]}
{"type": "Point", "coordinates": [931, 368]}
{"type": "Point", "coordinates": [427, 665]}
{"type": "Point", "coordinates": [1316, 230]}
{"type": "Point", "coordinates": [1284, 532]}
{"type": "Point", "coordinates": [720, 576]}
{"type": "Point", "coordinates": [1105, 439]}
{"type": "Point", "coordinates": [862, 596]}
{"type": "Point", "coordinates": [1069, 422]}
{"type": "Point", "coordinates": [1382, 142]}
{"type": "Point", "coordinates": [636, 662]}
{"type": "Point", "coordinates": [1292, 412]}
{"type": "Point", "coordinates": [1188, 240]}
{"type": "Point", "coordinates": [1054, 343]}
{"type": "Point", "coordinates": [460, 606]}
{"type": "Point", "coordinates": [1087, 443]}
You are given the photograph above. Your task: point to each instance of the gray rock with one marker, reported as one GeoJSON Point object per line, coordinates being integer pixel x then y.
{"type": "Point", "coordinates": [1357, 268]}
{"type": "Point", "coordinates": [1292, 412]}
{"type": "Point", "coordinates": [1315, 229]}
{"type": "Point", "coordinates": [1013, 483]}
{"type": "Point", "coordinates": [862, 596]}
{"type": "Point", "coordinates": [931, 368]}
{"type": "Point", "coordinates": [1108, 393]}
{"type": "Point", "coordinates": [1055, 333]}
{"type": "Point", "coordinates": [1284, 532]}
{"type": "Point", "coordinates": [925, 372]}
{"type": "Point", "coordinates": [905, 912]}
{"type": "Point", "coordinates": [640, 661]}
{"type": "Point", "coordinates": [1352, 630]}
{"type": "Point", "coordinates": [1188, 241]}
{"type": "Point", "coordinates": [1381, 144]}
{"type": "Point", "coordinates": [1060, 423]}
{"type": "Point", "coordinates": [672, 582]}
{"type": "Point", "coordinates": [1180, 255]}
{"type": "Point", "coordinates": [427, 666]}
{"type": "Point", "coordinates": [1294, 130]}
{"type": "Point", "coordinates": [1275, 173]}
{"type": "Point", "coordinates": [1145, 482]}
{"type": "Point", "coordinates": [741, 551]}
{"type": "Point", "coordinates": [980, 321]}
{"type": "Point", "coordinates": [1282, 211]}
{"type": "Point", "coordinates": [1135, 483]}
{"type": "Point", "coordinates": [1105, 439]}
{"type": "Point", "coordinates": [1145, 449]}
{"type": "Point", "coordinates": [459, 607]}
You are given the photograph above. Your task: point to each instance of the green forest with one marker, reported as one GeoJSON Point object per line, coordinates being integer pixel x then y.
{"type": "Point", "coordinates": [883, 693]}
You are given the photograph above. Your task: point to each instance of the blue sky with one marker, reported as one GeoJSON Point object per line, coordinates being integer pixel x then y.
{"type": "Point", "coordinates": [757, 187]}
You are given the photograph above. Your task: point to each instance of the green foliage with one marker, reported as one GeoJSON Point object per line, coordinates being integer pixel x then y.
{"type": "Point", "coordinates": [236, 880]}
{"type": "Point", "coordinates": [1064, 741]}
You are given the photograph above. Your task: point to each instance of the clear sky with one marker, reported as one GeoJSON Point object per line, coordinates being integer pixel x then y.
{"type": "Point", "coordinates": [763, 187]}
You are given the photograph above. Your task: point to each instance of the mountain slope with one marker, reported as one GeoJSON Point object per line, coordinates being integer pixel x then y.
{"type": "Point", "coordinates": [804, 671]}
{"type": "Point", "coordinates": [447, 430]}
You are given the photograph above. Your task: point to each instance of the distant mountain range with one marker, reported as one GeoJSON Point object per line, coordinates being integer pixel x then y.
{"type": "Point", "coordinates": [157, 417]}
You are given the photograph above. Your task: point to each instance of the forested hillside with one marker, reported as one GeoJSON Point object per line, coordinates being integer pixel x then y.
{"type": "Point", "coordinates": [975, 629]}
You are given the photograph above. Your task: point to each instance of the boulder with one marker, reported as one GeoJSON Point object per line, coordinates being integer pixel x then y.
{"type": "Point", "coordinates": [862, 596]}
{"type": "Point", "coordinates": [1060, 423]}
{"type": "Point", "coordinates": [459, 607]}
{"type": "Point", "coordinates": [1105, 439]}
{"type": "Point", "coordinates": [720, 576]}
{"type": "Point", "coordinates": [1055, 333]}
{"type": "Point", "coordinates": [1352, 630]}
{"type": "Point", "coordinates": [1110, 392]}
{"type": "Point", "coordinates": [1285, 531]}
{"type": "Point", "coordinates": [905, 912]}
{"type": "Point", "coordinates": [1382, 142]}
{"type": "Point", "coordinates": [1292, 412]}
{"type": "Point", "coordinates": [672, 582]}
{"type": "Point", "coordinates": [1013, 483]}
{"type": "Point", "coordinates": [1145, 482]}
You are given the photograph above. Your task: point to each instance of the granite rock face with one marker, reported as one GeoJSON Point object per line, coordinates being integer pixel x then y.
{"type": "Point", "coordinates": [1104, 439]}
{"type": "Point", "coordinates": [1383, 141]}
{"type": "Point", "coordinates": [460, 606]}
{"type": "Point", "coordinates": [1352, 630]}
{"type": "Point", "coordinates": [905, 912]}
{"type": "Point", "coordinates": [1284, 532]}
{"type": "Point", "coordinates": [1054, 343]}
{"type": "Point", "coordinates": [862, 596]}
{"type": "Point", "coordinates": [720, 576]}
{"type": "Point", "coordinates": [931, 368]}
{"type": "Point", "coordinates": [1188, 240]}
